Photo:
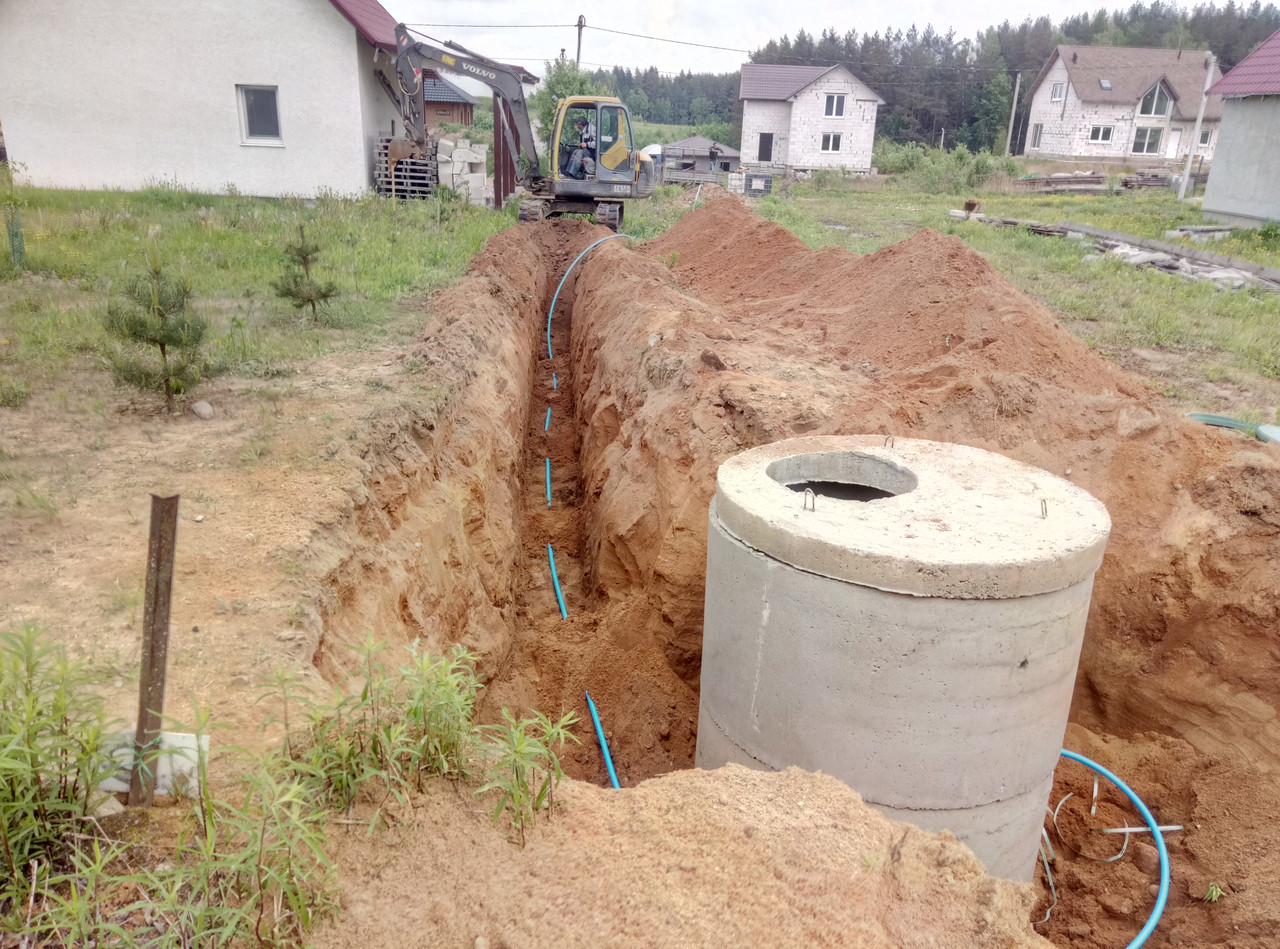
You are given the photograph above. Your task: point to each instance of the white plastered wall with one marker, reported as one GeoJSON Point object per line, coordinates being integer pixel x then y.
{"type": "Point", "coordinates": [1243, 187]}
{"type": "Point", "coordinates": [131, 93]}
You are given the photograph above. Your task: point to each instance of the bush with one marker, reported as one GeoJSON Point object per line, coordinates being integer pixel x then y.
{"type": "Point", "coordinates": [938, 170]}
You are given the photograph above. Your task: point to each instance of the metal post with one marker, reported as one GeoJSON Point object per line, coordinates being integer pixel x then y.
{"type": "Point", "coordinates": [155, 648]}
{"type": "Point", "coordinates": [582, 21]}
{"type": "Point", "coordinates": [1013, 111]}
{"type": "Point", "coordinates": [1195, 135]}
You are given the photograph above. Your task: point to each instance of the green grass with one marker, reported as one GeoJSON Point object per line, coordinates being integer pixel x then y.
{"type": "Point", "coordinates": [80, 244]}
{"type": "Point", "coordinates": [1113, 304]}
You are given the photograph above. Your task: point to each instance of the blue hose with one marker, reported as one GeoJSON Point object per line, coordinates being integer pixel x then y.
{"type": "Point", "coordinates": [554, 384]}
{"type": "Point", "coordinates": [548, 482]}
{"type": "Point", "coordinates": [1162, 897]}
{"type": "Point", "coordinates": [552, 311]}
{"type": "Point", "coordinates": [547, 424]}
{"type": "Point", "coordinates": [551, 558]}
{"type": "Point", "coordinates": [695, 199]}
{"type": "Point", "coordinates": [604, 745]}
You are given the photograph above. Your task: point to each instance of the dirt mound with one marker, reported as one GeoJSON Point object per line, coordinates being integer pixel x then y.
{"type": "Point", "coordinates": [721, 858]}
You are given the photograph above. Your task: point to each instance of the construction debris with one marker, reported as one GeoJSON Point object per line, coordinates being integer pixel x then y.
{"type": "Point", "coordinates": [1065, 182]}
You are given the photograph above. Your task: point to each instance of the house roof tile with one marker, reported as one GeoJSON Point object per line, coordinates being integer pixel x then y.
{"type": "Point", "coordinates": [435, 88]}
{"type": "Point", "coordinates": [371, 20]}
{"type": "Point", "coordinates": [1258, 74]}
{"type": "Point", "coordinates": [766, 81]}
{"type": "Point", "coordinates": [1132, 72]}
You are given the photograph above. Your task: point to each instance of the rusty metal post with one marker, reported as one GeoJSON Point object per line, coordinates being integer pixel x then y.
{"type": "Point", "coordinates": [155, 648]}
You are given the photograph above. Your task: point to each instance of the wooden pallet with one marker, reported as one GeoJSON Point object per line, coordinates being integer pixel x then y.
{"type": "Point", "coordinates": [414, 178]}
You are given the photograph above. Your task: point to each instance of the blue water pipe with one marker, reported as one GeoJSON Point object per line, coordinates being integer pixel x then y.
{"type": "Point", "coordinates": [695, 199]}
{"type": "Point", "coordinates": [548, 482]}
{"type": "Point", "coordinates": [551, 559]}
{"type": "Point", "coordinates": [604, 745]}
{"type": "Point", "coordinates": [552, 311]}
{"type": "Point", "coordinates": [554, 384]}
{"type": "Point", "coordinates": [547, 424]}
{"type": "Point", "coordinates": [1163, 896]}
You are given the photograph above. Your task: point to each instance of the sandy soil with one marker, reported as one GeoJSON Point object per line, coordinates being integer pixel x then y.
{"type": "Point", "coordinates": [330, 506]}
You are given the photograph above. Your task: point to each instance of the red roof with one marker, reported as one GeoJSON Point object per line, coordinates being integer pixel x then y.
{"type": "Point", "coordinates": [1258, 74]}
{"type": "Point", "coordinates": [371, 20]}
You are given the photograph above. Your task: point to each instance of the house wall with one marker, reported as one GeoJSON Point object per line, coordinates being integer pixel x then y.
{"type": "Point", "coordinates": [762, 115]}
{"type": "Point", "coordinates": [857, 127]}
{"type": "Point", "coordinates": [148, 94]}
{"type": "Point", "coordinates": [376, 111]}
{"type": "Point", "coordinates": [1068, 123]}
{"type": "Point", "coordinates": [1243, 187]}
{"type": "Point", "coordinates": [457, 113]}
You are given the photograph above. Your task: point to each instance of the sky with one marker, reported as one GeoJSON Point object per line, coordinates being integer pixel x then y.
{"type": "Point", "coordinates": [743, 25]}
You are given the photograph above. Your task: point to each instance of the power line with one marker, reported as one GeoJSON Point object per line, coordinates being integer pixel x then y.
{"type": "Point", "coordinates": [663, 39]}
{"type": "Point", "coordinates": [498, 26]}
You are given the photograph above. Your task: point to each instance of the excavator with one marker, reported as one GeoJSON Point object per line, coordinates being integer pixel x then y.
{"type": "Point", "coordinates": [593, 181]}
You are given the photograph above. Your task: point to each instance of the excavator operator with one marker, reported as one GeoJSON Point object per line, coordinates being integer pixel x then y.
{"type": "Point", "coordinates": [583, 162]}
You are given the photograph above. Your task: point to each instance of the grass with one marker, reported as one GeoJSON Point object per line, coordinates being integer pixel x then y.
{"type": "Point", "coordinates": [81, 244]}
{"type": "Point", "coordinates": [1112, 304]}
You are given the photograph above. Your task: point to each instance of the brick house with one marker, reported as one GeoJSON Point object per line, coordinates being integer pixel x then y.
{"type": "Point", "coordinates": [1120, 103]}
{"type": "Point", "coordinates": [1243, 186]}
{"type": "Point", "coordinates": [807, 117]}
{"type": "Point", "coordinates": [445, 102]}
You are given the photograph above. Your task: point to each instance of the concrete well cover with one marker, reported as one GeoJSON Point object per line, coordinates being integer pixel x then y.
{"type": "Point", "coordinates": [962, 522]}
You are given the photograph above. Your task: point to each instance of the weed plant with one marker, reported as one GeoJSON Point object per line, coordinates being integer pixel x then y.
{"type": "Point", "coordinates": [524, 765]}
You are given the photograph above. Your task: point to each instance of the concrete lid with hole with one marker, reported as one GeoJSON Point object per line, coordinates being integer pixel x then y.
{"type": "Point", "coordinates": [951, 521]}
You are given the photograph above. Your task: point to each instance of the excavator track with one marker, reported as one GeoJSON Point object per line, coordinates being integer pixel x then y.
{"type": "Point", "coordinates": [531, 211]}
{"type": "Point", "coordinates": [609, 213]}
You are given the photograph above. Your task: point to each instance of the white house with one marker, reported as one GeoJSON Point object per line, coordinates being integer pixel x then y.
{"type": "Point", "coordinates": [1121, 103]}
{"type": "Point", "coordinates": [1243, 186]}
{"type": "Point", "coordinates": [271, 98]}
{"type": "Point", "coordinates": [807, 117]}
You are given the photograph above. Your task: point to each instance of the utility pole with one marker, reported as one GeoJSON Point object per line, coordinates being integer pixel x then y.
{"type": "Point", "coordinates": [1195, 136]}
{"type": "Point", "coordinates": [582, 21]}
{"type": "Point", "coordinates": [1008, 138]}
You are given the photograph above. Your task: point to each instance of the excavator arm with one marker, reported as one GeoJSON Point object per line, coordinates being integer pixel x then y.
{"type": "Point", "coordinates": [506, 82]}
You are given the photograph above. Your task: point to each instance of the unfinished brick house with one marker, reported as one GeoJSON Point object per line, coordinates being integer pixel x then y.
{"type": "Point", "coordinates": [1122, 104]}
{"type": "Point", "coordinates": [807, 117]}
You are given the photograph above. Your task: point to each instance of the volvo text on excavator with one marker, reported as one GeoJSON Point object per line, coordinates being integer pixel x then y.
{"type": "Point", "coordinates": [594, 179]}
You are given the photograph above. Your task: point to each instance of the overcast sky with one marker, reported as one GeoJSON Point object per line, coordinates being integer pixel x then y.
{"type": "Point", "coordinates": [744, 25]}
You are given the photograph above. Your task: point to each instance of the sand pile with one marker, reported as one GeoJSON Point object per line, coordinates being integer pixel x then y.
{"type": "Point", "coordinates": [727, 858]}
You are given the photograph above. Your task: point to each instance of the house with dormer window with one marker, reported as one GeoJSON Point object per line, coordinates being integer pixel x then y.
{"type": "Point", "coordinates": [1122, 104]}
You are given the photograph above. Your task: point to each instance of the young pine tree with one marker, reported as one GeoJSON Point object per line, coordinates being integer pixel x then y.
{"type": "Point", "coordinates": [297, 285]}
{"type": "Point", "coordinates": [155, 312]}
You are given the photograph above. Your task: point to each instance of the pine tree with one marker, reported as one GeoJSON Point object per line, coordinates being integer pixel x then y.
{"type": "Point", "coordinates": [155, 311]}
{"type": "Point", "coordinates": [297, 285]}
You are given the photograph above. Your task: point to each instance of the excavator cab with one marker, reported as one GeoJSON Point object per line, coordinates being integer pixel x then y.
{"type": "Point", "coordinates": [593, 180]}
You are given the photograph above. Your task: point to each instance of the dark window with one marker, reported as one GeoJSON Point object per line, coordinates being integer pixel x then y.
{"type": "Point", "coordinates": [831, 143]}
{"type": "Point", "coordinates": [766, 147]}
{"type": "Point", "coordinates": [1100, 133]}
{"type": "Point", "coordinates": [1155, 102]}
{"type": "Point", "coordinates": [1146, 142]}
{"type": "Point", "coordinates": [835, 105]}
{"type": "Point", "coordinates": [1036, 131]}
{"type": "Point", "coordinates": [1205, 136]}
{"type": "Point", "coordinates": [261, 117]}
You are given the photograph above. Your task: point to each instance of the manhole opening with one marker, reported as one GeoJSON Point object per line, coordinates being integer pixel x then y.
{"type": "Point", "coordinates": [843, 475]}
{"type": "Point", "coordinates": [841, 490]}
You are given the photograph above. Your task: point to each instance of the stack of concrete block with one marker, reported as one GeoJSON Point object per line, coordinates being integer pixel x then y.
{"type": "Point", "coordinates": [462, 168]}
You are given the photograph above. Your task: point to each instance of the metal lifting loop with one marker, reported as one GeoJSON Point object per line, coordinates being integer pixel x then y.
{"type": "Point", "coordinates": [810, 501]}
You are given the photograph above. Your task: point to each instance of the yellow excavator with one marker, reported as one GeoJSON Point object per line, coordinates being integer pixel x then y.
{"type": "Point", "coordinates": [594, 179]}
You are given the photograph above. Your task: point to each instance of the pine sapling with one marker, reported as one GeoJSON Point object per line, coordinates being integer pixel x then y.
{"type": "Point", "coordinates": [155, 311]}
{"type": "Point", "coordinates": [298, 285]}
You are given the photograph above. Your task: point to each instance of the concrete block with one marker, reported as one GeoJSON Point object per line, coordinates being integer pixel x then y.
{"type": "Point", "coordinates": [175, 765]}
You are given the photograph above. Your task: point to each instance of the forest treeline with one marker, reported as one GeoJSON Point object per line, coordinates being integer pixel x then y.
{"type": "Point", "coordinates": [938, 84]}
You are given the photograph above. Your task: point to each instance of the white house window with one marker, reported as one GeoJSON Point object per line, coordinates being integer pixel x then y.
{"type": "Point", "coordinates": [831, 143]}
{"type": "Point", "coordinates": [1105, 84]}
{"type": "Point", "coordinates": [1155, 102]}
{"type": "Point", "coordinates": [1205, 136]}
{"type": "Point", "coordinates": [835, 106]}
{"type": "Point", "coordinates": [1146, 142]}
{"type": "Point", "coordinates": [1058, 91]}
{"type": "Point", "coordinates": [259, 115]}
{"type": "Point", "coordinates": [1035, 134]}
{"type": "Point", "coordinates": [1101, 133]}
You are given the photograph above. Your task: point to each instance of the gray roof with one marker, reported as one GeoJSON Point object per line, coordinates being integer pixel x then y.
{"type": "Point", "coordinates": [700, 144]}
{"type": "Point", "coordinates": [1132, 72]}
{"type": "Point", "coordinates": [437, 89]}
{"type": "Point", "coordinates": [763, 81]}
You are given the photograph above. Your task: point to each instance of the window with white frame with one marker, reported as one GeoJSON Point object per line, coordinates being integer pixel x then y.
{"type": "Point", "coordinates": [1101, 133]}
{"type": "Point", "coordinates": [835, 106]}
{"type": "Point", "coordinates": [1205, 136]}
{"type": "Point", "coordinates": [831, 143]}
{"type": "Point", "coordinates": [1036, 130]}
{"type": "Point", "coordinates": [1146, 142]}
{"type": "Point", "coordinates": [1058, 92]}
{"type": "Point", "coordinates": [259, 115]}
{"type": "Point", "coordinates": [1155, 102]}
